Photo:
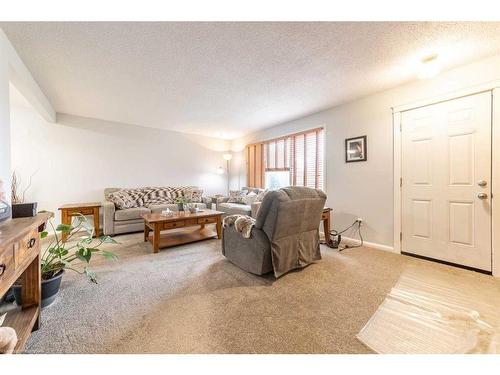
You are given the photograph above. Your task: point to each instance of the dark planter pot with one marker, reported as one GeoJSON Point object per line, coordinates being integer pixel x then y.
{"type": "Point", "coordinates": [180, 206]}
{"type": "Point", "coordinates": [50, 288]}
{"type": "Point", "coordinates": [23, 210]}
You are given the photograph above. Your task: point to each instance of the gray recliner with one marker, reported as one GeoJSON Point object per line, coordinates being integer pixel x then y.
{"type": "Point", "coordinates": [285, 235]}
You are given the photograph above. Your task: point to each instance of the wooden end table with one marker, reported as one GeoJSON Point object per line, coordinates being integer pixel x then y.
{"type": "Point", "coordinates": [68, 211]}
{"type": "Point", "coordinates": [184, 220]}
{"type": "Point", "coordinates": [325, 217]}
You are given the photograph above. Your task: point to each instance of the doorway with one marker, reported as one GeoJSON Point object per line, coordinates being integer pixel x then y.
{"type": "Point", "coordinates": [446, 156]}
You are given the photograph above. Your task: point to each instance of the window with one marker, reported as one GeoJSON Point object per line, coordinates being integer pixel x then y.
{"type": "Point", "coordinates": [296, 160]}
{"type": "Point", "coordinates": [276, 180]}
{"type": "Point", "coordinates": [307, 159]}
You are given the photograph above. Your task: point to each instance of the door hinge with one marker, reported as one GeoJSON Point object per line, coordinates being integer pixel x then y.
{"type": "Point", "coordinates": [401, 182]}
{"type": "Point", "coordinates": [401, 236]}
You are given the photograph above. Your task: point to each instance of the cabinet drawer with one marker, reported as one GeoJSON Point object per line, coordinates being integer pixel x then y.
{"type": "Point", "coordinates": [191, 221]}
{"type": "Point", "coordinates": [206, 220]}
{"type": "Point", "coordinates": [25, 248]}
{"type": "Point", "coordinates": [7, 265]}
{"type": "Point", "coordinates": [83, 211]}
{"type": "Point", "coordinates": [174, 224]}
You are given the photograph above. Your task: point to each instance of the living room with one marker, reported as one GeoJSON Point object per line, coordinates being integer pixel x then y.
{"type": "Point", "coordinates": [209, 181]}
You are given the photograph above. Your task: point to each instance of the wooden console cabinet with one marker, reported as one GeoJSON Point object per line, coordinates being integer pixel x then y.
{"type": "Point", "coordinates": [20, 258]}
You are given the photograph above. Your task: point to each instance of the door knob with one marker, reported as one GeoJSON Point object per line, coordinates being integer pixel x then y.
{"type": "Point", "coordinates": [482, 195]}
{"type": "Point", "coordinates": [482, 183]}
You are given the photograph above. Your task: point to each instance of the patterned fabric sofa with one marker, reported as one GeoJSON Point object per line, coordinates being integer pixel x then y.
{"type": "Point", "coordinates": [123, 207]}
{"type": "Point", "coordinates": [225, 205]}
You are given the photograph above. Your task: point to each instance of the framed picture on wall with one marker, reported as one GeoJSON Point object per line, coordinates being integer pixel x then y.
{"type": "Point", "coordinates": [355, 149]}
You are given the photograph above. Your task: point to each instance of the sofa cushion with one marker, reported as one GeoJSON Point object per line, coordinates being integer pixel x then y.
{"type": "Point", "coordinates": [126, 198]}
{"type": "Point", "coordinates": [234, 208]}
{"type": "Point", "coordinates": [193, 194]}
{"type": "Point", "coordinates": [249, 198]}
{"type": "Point", "coordinates": [252, 189]}
{"type": "Point", "coordinates": [236, 196]}
{"type": "Point", "coordinates": [159, 195]}
{"type": "Point", "coordinates": [131, 213]}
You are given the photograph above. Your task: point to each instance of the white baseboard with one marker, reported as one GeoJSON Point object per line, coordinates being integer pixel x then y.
{"type": "Point", "coordinates": [373, 245]}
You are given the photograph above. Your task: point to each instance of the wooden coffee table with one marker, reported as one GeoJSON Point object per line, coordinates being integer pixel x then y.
{"type": "Point", "coordinates": [183, 227]}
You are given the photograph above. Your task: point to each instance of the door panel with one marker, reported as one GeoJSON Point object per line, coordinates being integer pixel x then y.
{"type": "Point", "coordinates": [461, 159]}
{"type": "Point", "coordinates": [446, 152]}
{"type": "Point", "coordinates": [422, 219]}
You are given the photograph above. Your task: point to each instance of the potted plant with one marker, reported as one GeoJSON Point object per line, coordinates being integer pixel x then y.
{"type": "Point", "coordinates": [182, 202]}
{"type": "Point", "coordinates": [60, 256]}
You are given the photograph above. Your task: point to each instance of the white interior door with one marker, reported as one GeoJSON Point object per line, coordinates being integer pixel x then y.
{"type": "Point", "coordinates": [446, 181]}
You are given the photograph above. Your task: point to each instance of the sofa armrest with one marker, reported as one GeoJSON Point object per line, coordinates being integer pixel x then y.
{"type": "Point", "coordinates": [255, 208]}
{"type": "Point", "coordinates": [108, 218]}
{"type": "Point", "coordinates": [222, 199]}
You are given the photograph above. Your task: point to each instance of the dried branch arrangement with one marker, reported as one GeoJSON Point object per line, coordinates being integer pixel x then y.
{"type": "Point", "coordinates": [16, 185]}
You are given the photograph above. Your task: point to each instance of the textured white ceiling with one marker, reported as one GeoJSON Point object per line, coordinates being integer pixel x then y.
{"type": "Point", "coordinates": [228, 79]}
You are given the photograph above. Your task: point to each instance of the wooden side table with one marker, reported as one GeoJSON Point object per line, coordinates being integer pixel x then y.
{"type": "Point", "coordinates": [325, 217]}
{"type": "Point", "coordinates": [68, 211]}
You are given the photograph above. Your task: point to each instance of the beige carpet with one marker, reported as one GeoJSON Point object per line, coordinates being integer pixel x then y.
{"type": "Point", "coordinates": [190, 299]}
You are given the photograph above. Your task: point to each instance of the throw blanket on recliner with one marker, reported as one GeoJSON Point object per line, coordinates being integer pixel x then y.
{"type": "Point", "coordinates": [242, 223]}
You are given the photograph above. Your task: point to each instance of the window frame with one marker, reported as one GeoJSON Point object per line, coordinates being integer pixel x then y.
{"type": "Point", "coordinates": [290, 156]}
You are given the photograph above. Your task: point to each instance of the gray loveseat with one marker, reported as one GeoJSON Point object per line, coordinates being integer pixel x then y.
{"type": "Point", "coordinates": [285, 235]}
{"type": "Point", "coordinates": [239, 208]}
{"type": "Point", "coordinates": [118, 221]}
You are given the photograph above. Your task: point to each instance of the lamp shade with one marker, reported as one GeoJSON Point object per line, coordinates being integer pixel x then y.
{"type": "Point", "coordinates": [220, 170]}
{"type": "Point", "coordinates": [227, 156]}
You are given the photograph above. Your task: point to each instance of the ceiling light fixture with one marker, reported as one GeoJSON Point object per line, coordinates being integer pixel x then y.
{"type": "Point", "coordinates": [429, 67]}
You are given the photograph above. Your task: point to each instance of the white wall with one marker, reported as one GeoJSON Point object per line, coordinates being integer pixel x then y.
{"type": "Point", "coordinates": [76, 158]}
{"type": "Point", "coordinates": [365, 189]}
{"type": "Point", "coordinates": [4, 125]}
{"type": "Point", "coordinates": [13, 70]}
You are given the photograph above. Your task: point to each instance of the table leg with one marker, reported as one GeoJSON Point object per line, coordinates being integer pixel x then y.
{"type": "Point", "coordinates": [146, 232]}
{"type": "Point", "coordinates": [97, 231]}
{"type": "Point", "coordinates": [31, 287]}
{"type": "Point", "coordinates": [156, 238]}
{"type": "Point", "coordinates": [65, 219]}
{"type": "Point", "coordinates": [219, 227]}
{"type": "Point", "coordinates": [326, 229]}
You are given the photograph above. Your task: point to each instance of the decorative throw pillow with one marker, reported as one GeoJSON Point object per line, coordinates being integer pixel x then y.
{"type": "Point", "coordinates": [236, 196]}
{"type": "Point", "coordinates": [261, 195]}
{"type": "Point", "coordinates": [249, 198]}
{"type": "Point", "coordinates": [122, 200]}
{"type": "Point", "coordinates": [194, 194]}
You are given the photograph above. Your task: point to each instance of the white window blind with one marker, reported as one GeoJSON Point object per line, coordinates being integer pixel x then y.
{"type": "Point", "coordinates": [301, 154]}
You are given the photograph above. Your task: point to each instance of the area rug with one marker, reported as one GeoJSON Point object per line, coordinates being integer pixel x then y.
{"type": "Point", "coordinates": [430, 311]}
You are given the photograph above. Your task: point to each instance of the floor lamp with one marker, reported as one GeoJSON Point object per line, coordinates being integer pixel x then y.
{"type": "Point", "coordinates": [227, 157]}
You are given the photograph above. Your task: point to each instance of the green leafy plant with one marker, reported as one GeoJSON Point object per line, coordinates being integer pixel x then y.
{"type": "Point", "coordinates": [182, 200]}
{"type": "Point", "coordinates": [61, 255]}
